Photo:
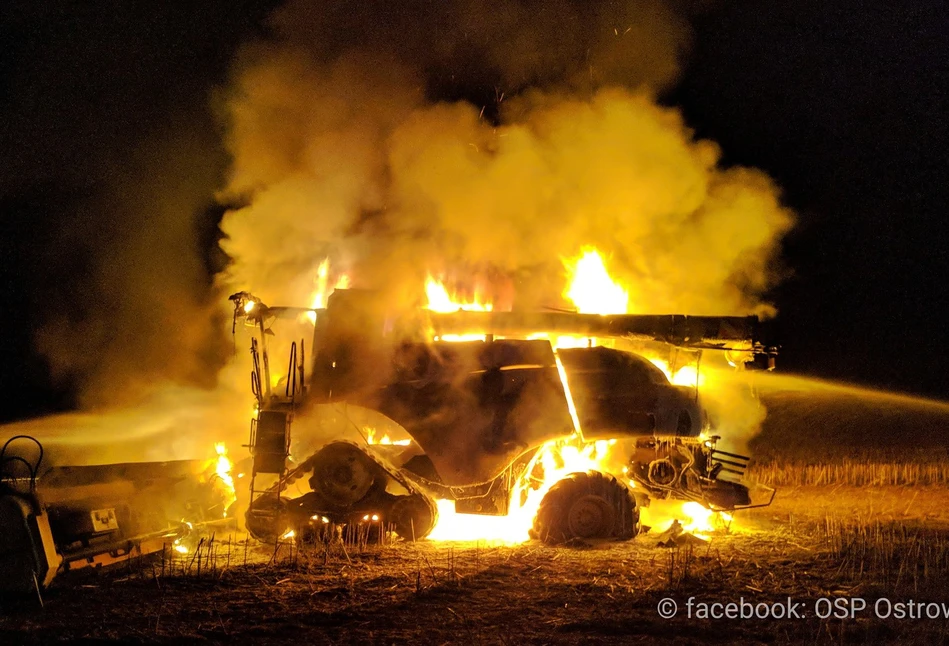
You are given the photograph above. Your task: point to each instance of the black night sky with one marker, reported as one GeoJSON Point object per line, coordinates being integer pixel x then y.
{"type": "Point", "coordinates": [844, 104]}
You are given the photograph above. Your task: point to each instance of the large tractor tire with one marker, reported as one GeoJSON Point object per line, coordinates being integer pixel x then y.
{"type": "Point", "coordinates": [589, 505]}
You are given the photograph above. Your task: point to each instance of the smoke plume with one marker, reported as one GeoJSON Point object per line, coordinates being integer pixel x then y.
{"type": "Point", "coordinates": [460, 137]}
{"type": "Point", "coordinates": [361, 138]}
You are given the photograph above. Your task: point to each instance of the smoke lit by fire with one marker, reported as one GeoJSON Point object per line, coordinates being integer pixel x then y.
{"type": "Point", "coordinates": [345, 152]}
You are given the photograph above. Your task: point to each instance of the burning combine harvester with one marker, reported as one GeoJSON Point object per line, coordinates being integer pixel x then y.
{"type": "Point", "coordinates": [560, 425]}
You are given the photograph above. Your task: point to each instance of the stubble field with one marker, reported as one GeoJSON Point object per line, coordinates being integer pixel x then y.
{"type": "Point", "coordinates": [862, 516]}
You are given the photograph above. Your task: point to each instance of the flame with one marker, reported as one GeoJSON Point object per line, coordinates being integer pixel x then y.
{"type": "Point", "coordinates": [693, 517]}
{"type": "Point", "coordinates": [701, 520]}
{"type": "Point", "coordinates": [460, 338]}
{"type": "Point", "coordinates": [222, 469]}
{"type": "Point", "coordinates": [688, 376]}
{"type": "Point", "coordinates": [590, 287]}
{"type": "Point", "coordinates": [439, 300]}
{"type": "Point", "coordinates": [565, 341]}
{"type": "Point", "coordinates": [371, 439]}
{"type": "Point", "coordinates": [553, 462]}
{"type": "Point", "coordinates": [323, 290]}
{"type": "Point", "coordinates": [685, 376]}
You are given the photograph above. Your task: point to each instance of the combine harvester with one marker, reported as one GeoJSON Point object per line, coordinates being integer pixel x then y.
{"type": "Point", "coordinates": [562, 424]}
{"type": "Point", "coordinates": [557, 418]}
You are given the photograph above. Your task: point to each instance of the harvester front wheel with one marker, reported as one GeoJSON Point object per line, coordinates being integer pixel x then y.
{"type": "Point", "coordinates": [586, 505]}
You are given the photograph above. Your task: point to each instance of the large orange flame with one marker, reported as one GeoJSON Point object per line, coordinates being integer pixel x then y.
{"type": "Point", "coordinates": [222, 469]}
{"type": "Point", "coordinates": [323, 288]}
{"type": "Point", "coordinates": [439, 299]}
{"type": "Point", "coordinates": [384, 440]}
{"type": "Point", "coordinates": [590, 287]}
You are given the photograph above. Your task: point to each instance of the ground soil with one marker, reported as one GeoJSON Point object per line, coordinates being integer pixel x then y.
{"type": "Point", "coordinates": [470, 593]}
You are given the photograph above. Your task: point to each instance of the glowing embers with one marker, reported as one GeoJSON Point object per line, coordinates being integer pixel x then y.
{"type": "Point", "coordinates": [590, 287]}
{"type": "Point", "coordinates": [439, 300]}
{"type": "Point", "coordinates": [554, 461]}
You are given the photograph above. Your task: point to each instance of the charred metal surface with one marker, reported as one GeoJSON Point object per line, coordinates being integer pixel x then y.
{"type": "Point", "coordinates": [475, 406]}
{"type": "Point", "coordinates": [620, 394]}
{"type": "Point", "coordinates": [690, 468]}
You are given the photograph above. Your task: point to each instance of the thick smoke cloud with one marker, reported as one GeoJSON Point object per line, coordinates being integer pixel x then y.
{"type": "Point", "coordinates": [465, 137]}
{"type": "Point", "coordinates": [132, 308]}
{"type": "Point", "coordinates": [354, 137]}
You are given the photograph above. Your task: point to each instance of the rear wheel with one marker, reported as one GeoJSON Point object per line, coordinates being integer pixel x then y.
{"type": "Point", "coordinates": [586, 505]}
{"type": "Point", "coordinates": [412, 517]}
{"type": "Point", "coordinates": [343, 475]}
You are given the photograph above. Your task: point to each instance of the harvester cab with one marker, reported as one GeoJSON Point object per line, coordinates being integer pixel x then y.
{"type": "Point", "coordinates": [396, 413]}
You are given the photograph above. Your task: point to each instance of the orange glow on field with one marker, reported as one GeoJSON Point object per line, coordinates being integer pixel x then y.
{"type": "Point", "coordinates": [439, 300]}
{"type": "Point", "coordinates": [554, 461]}
{"type": "Point", "coordinates": [590, 287]}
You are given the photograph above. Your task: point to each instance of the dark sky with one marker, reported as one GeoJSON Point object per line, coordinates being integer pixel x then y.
{"type": "Point", "coordinates": [843, 104]}
{"type": "Point", "coordinates": [846, 106]}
